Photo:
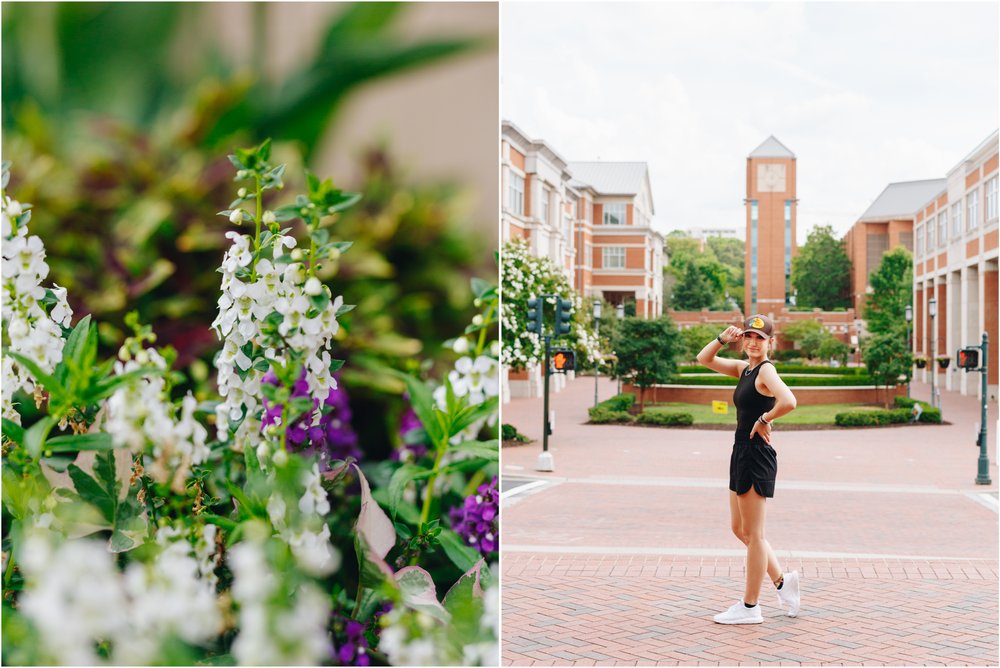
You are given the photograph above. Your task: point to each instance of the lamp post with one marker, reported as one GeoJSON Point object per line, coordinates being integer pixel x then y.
{"type": "Point", "coordinates": [858, 324]}
{"type": "Point", "coordinates": [932, 312]}
{"type": "Point", "coordinates": [597, 329]}
{"type": "Point", "coordinates": [620, 312]}
{"type": "Point", "coordinates": [909, 318]}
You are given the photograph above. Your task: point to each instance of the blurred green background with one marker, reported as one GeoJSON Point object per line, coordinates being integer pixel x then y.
{"type": "Point", "coordinates": [118, 118]}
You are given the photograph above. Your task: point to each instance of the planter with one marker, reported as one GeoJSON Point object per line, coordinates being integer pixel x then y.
{"type": "Point", "coordinates": [920, 362]}
{"type": "Point", "coordinates": [943, 362]}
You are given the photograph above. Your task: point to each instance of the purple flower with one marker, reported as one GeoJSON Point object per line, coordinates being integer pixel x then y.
{"type": "Point", "coordinates": [353, 650]}
{"type": "Point", "coordinates": [476, 519]}
{"type": "Point", "coordinates": [333, 438]}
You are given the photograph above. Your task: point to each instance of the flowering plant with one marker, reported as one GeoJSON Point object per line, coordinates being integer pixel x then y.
{"type": "Point", "coordinates": [524, 276]}
{"type": "Point", "coordinates": [133, 533]}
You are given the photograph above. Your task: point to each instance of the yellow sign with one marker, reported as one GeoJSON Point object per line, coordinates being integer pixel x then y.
{"type": "Point", "coordinates": [720, 407]}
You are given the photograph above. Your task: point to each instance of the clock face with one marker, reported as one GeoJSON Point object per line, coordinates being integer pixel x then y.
{"type": "Point", "coordinates": [770, 178]}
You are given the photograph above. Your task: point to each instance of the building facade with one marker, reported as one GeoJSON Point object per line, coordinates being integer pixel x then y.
{"type": "Point", "coordinates": [771, 214]}
{"type": "Point", "coordinates": [955, 262]}
{"type": "Point", "coordinates": [593, 219]}
{"type": "Point", "coordinates": [885, 225]}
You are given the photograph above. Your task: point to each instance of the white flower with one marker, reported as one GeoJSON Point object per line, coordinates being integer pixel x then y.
{"type": "Point", "coordinates": [315, 499]}
{"type": "Point", "coordinates": [313, 286]}
{"type": "Point", "coordinates": [461, 345]}
{"type": "Point", "coordinates": [236, 216]}
{"type": "Point", "coordinates": [269, 218]}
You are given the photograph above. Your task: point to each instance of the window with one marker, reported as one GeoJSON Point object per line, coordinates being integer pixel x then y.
{"type": "Point", "coordinates": [920, 241]}
{"type": "Point", "coordinates": [788, 250]}
{"type": "Point", "coordinates": [956, 220]}
{"type": "Point", "coordinates": [515, 194]}
{"type": "Point", "coordinates": [545, 205]}
{"type": "Point", "coordinates": [943, 227]}
{"type": "Point", "coordinates": [613, 257]}
{"type": "Point", "coordinates": [614, 213]}
{"type": "Point", "coordinates": [991, 199]}
{"type": "Point", "coordinates": [930, 235]}
{"type": "Point", "coordinates": [753, 254]}
{"type": "Point", "coordinates": [972, 204]}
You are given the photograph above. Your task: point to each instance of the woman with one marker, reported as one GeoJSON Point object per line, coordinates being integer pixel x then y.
{"type": "Point", "coordinates": [760, 398]}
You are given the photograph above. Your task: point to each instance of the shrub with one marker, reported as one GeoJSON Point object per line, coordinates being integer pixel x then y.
{"type": "Point", "coordinates": [666, 418]}
{"type": "Point", "coordinates": [905, 402]}
{"type": "Point", "coordinates": [619, 402]}
{"type": "Point", "coordinates": [880, 417]}
{"type": "Point", "coordinates": [602, 415]}
{"type": "Point", "coordinates": [510, 433]}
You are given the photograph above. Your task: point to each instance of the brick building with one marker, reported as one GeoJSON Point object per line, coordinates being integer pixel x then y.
{"type": "Point", "coordinates": [885, 225]}
{"type": "Point", "coordinates": [955, 260]}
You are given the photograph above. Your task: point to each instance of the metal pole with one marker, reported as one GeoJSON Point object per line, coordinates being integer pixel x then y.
{"type": "Point", "coordinates": [933, 362]}
{"type": "Point", "coordinates": [546, 430]}
{"type": "Point", "coordinates": [597, 363]}
{"type": "Point", "coordinates": [909, 348]}
{"type": "Point", "coordinates": [983, 478]}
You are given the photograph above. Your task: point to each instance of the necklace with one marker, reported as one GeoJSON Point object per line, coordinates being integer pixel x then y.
{"type": "Point", "coordinates": [750, 369]}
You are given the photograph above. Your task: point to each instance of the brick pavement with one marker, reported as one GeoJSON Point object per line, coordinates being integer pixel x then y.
{"type": "Point", "coordinates": [624, 555]}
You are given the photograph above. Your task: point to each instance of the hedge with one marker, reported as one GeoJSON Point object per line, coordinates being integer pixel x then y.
{"type": "Point", "coordinates": [666, 418]}
{"type": "Point", "coordinates": [603, 415]}
{"type": "Point", "coordinates": [790, 368]}
{"type": "Point", "coordinates": [791, 381]}
{"type": "Point", "coordinates": [619, 402]}
{"type": "Point", "coordinates": [880, 417]}
{"type": "Point", "coordinates": [510, 433]}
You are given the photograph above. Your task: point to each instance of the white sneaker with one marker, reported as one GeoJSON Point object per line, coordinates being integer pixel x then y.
{"type": "Point", "coordinates": [740, 614]}
{"type": "Point", "coordinates": [789, 594]}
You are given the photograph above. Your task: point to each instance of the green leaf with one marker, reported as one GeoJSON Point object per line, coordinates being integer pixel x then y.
{"type": "Point", "coordinates": [345, 308]}
{"type": "Point", "coordinates": [104, 468]}
{"type": "Point", "coordinates": [35, 436]}
{"type": "Point", "coordinates": [92, 492]}
{"type": "Point", "coordinates": [466, 590]}
{"type": "Point", "coordinates": [489, 450]}
{"type": "Point", "coordinates": [13, 431]}
{"type": "Point", "coordinates": [419, 593]}
{"type": "Point", "coordinates": [471, 414]}
{"type": "Point", "coordinates": [79, 442]}
{"type": "Point", "coordinates": [76, 339]}
{"type": "Point", "coordinates": [59, 462]}
{"type": "Point", "coordinates": [402, 477]}
{"type": "Point", "coordinates": [422, 401]}
{"type": "Point", "coordinates": [456, 549]}
{"type": "Point", "coordinates": [54, 389]}
{"type": "Point", "coordinates": [479, 286]}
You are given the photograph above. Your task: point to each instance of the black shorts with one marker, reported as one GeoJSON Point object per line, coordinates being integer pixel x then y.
{"type": "Point", "coordinates": [754, 463]}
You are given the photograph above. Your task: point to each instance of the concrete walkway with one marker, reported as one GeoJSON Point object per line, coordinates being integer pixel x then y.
{"type": "Point", "coordinates": [623, 554]}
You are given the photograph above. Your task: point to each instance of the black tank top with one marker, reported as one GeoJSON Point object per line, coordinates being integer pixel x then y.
{"type": "Point", "coordinates": [750, 403]}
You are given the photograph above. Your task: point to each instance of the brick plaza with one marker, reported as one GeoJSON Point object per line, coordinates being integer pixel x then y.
{"type": "Point", "coordinates": [623, 554]}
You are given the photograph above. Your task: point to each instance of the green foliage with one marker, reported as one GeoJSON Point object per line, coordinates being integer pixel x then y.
{"type": "Point", "coordinates": [821, 272]}
{"type": "Point", "coordinates": [509, 432]}
{"type": "Point", "coordinates": [784, 368]}
{"type": "Point", "coordinates": [892, 286]}
{"type": "Point", "coordinates": [619, 402]}
{"type": "Point", "coordinates": [662, 418]}
{"type": "Point", "coordinates": [872, 418]}
{"type": "Point", "coordinates": [603, 415]}
{"type": "Point", "coordinates": [648, 351]}
{"type": "Point", "coordinates": [888, 359]}
{"type": "Point", "coordinates": [796, 330]}
{"type": "Point", "coordinates": [791, 381]}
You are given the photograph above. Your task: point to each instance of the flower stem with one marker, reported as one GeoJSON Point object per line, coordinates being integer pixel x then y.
{"type": "Point", "coordinates": [425, 513]}
{"type": "Point", "coordinates": [313, 226]}
{"type": "Point", "coordinates": [257, 220]}
{"type": "Point", "coordinates": [482, 333]}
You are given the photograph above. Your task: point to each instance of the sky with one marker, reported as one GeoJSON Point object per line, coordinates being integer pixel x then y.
{"type": "Point", "coordinates": [864, 94]}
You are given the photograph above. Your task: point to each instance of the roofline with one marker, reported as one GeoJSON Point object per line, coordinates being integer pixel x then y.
{"type": "Point", "coordinates": [992, 139]}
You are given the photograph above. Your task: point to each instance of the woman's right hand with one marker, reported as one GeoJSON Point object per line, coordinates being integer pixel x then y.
{"type": "Point", "coordinates": [732, 333]}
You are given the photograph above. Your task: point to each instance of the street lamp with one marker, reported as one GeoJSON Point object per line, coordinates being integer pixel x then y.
{"type": "Point", "coordinates": [932, 312]}
{"type": "Point", "coordinates": [908, 312]}
{"type": "Point", "coordinates": [858, 324]}
{"type": "Point", "coordinates": [597, 329]}
{"type": "Point", "coordinates": [620, 312]}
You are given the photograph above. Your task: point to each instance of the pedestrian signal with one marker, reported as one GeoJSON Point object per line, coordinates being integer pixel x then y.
{"type": "Point", "coordinates": [535, 315]}
{"type": "Point", "coordinates": [564, 313]}
{"type": "Point", "coordinates": [968, 358]}
{"type": "Point", "coordinates": [564, 360]}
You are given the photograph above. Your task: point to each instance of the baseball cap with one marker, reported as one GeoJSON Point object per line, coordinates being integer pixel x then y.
{"type": "Point", "coordinates": [759, 323]}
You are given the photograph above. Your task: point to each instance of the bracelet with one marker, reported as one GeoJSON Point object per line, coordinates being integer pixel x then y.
{"type": "Point", "coordinates": [763, 421]}
{"type": "Point", "coordinates": [719, 339]}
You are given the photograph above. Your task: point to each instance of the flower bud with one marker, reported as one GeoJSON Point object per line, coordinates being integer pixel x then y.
{"type": "Point", "coordinates": [14, 209]}
{"type": "Point", "coordinates": [280, 457]}
{"type": "Point", "coordinates": [297, 254]}
{"type": "Point", "coordinates": [313, 287]}
{"type": "Point", "coordinates": [333, 253]}
{"type": "Point", "coordinates": [236, 216]}
{"type": "Point", "coordinates": [241, 193]}
{"type": "Point", "coordinates": [461, 345]}
{"type": "Point", "coordinates": [477, 320]}
{"type": "Point", "coordinates": [269, 218]}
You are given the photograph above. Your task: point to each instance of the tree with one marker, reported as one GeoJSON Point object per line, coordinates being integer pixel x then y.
{"type": "Point", "coordinates": [681, 250]}
{"type": "Point", "coordinates": [695, 337]}
{"type": "Point", "coordinates": [892, 286]}
{"type": "Point", "coordinates": [799, 329]}
{"type": "Point", "coordinates": [821, 273]}
{"type": "Point", "coordinates": [887, 358]}
{"type": "Point", "coordinates": [833, 348]}
{"type": "Point", "coordinates": [647, 351]}
{"type": "Point", "coordinates": [731, 253]}
{"type": "Point", "coordinates": [693, 291]}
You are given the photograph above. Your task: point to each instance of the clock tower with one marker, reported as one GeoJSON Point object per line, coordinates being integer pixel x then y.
{"type": "Point", "coordinates": [771, 216]}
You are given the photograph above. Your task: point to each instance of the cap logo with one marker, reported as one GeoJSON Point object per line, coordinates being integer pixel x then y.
{"type": "Point", "coordinates": [756, 323]}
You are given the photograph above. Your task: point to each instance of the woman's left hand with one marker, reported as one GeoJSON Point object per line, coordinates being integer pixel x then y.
{"type": "Point", "coordinates": [763, 430]}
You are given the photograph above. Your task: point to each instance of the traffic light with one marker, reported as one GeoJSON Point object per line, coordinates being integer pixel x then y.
{"type": "Point", "coordinates": [535, 315]}
{"type": "Point", "coordinates": [968, 358]}
{"type": "Point", "coordinates": [564, 313]}
{"type": "Point", "coordinates": [564, 360]}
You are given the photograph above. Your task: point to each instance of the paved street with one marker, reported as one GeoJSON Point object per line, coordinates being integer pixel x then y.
{"type": "Point", "coordinates": [623, 554]}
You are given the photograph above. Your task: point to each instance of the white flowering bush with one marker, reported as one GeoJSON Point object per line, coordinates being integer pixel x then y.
{"type": "Point", "coordinates": [143, 526]}
{"type": "Point", "coordinates": [523, 276]}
